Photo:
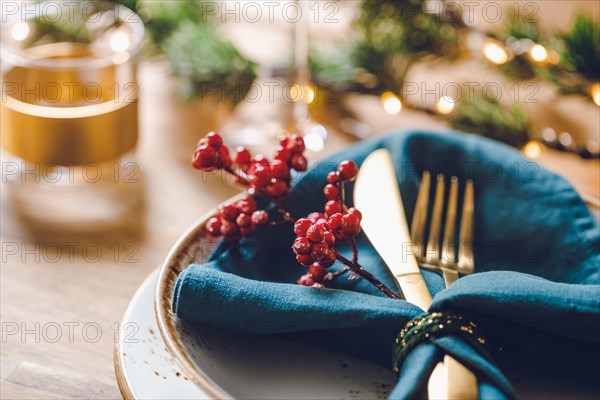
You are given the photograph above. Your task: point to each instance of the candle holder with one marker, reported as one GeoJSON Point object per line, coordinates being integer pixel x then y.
{"type": "Point", "coordinates": [69, 109]}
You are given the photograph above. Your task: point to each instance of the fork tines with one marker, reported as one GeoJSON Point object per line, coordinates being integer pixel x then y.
{"type": "Point", "coordinates": [440, 250]}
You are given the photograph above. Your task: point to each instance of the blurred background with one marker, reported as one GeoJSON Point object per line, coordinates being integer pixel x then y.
{"type": "Point", "coordinates": [103, 103]}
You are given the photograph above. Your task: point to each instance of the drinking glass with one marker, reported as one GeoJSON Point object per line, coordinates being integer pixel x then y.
{"type": "Point", "coordinates": [69, 109]}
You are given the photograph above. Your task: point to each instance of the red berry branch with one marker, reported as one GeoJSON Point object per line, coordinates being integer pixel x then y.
{"type": "Point", "coordinates": [316, 234]}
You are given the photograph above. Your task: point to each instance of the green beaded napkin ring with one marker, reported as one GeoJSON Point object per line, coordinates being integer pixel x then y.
{"type": "Point", "coordinates": [429, 325]}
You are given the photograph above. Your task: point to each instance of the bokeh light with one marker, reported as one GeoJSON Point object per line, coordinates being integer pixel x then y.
{"type": "Point", "coordinates": [532, 150]}
{"type": "Point", "coordinates": [553, 57]}
{"type": "Point", "coordinates": [495, 53]}
{"type": "Point", "coordinates": [309, 94]}
{"type": "Point", "coordinates": [595, 91]}
{"type": "Point", "coordinates": [445, 105]}
{"type": "Point", "coordinates": [119, 41]}
{"type": "Point", "coordinates": [538, 53]}
{"type": "Point", "coordinates": [315, 136]}
{"type": "Point", "coordinates": [391, 103]}
{"type": "Point", "coordinates": [20, 31]}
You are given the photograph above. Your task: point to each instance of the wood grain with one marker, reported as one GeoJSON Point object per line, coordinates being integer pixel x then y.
{"type": "Point", "coordinates": [41, 295]}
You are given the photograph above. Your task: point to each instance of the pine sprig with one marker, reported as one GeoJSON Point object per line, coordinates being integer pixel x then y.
{"type": "Point", "coordinates": [581, 52]}
{"type": "Point", "coordinates": [205, 64]}
{"type": "Point", "coordinates": [202, 62]}
{"type": "Point", "coordinates": [161, 19]}
{"type": "Point", "coordinates": [520, 30]}
{"type": "Point", "coordinates": [332, 66]}
{"type": "Point", "coordinates": [507, 123]}
{"type": "Point", "coordinates": [398, 33]}
{"type": "Point", "coordinates": [578, 51]}
{"type": "Point", "coordinates": [68, 27]}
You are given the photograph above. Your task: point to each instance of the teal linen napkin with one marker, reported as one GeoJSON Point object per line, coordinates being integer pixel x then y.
{"type": "Point", "coordinates": [535, 293]}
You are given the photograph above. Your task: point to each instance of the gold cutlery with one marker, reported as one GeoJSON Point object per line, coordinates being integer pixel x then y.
{"type": "Point", "coordinates": [377, 195]}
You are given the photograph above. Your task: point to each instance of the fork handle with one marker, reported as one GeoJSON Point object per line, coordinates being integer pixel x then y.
{"type": "Point", "coordinates": [450, 276]}
{"type": "Point", "coordinates": [451, 380]}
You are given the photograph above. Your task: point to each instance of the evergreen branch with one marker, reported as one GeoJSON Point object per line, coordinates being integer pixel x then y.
{"type": "Point", "coordinates": [493, 119]}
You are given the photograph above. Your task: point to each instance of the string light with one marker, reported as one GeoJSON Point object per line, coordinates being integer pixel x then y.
{"type": "Point", "coordinates": [445, 105]}
{"type": "Point", "coordinates": [532, 150]}
{"type": "Point", "coordinates": [538, 53]}
{"type": "Point", "coordinates": [553, 57]}
{"type": "Point", "coordinates": [565, 139]}
{"type": "Point", "coordinates": [495, 53]}
{"type": "Point", "coordinates": [20, 31]}
{"type": "Point", "coordinates": [391, 103]}
{"type": "Point", "coordinates": [595, 91]}
{"type": "Point", "coordinates": [592, 146]}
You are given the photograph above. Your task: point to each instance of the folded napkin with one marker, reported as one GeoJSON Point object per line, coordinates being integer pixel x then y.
{"type": "Point", "coordinates": [535, 292]}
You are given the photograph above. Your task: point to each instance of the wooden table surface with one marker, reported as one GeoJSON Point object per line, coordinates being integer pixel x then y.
{"type": "Point", "coordinates": [84, 300]}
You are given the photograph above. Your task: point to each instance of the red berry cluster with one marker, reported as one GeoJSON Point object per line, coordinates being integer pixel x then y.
{"type": "Point", "coordinates": [343, 222]}
{"type": "Point", "coordinates": [314, 242]}
{"type": "Point", "coordinates": [314, 277]}
{"type": "Point", "coordinates": [346, 172]}
{"type": "Point", "coordinates": [234, 221]}
{"type": "Point", "coordinates": [345, 225]}
{"type": "Point", "coordinates": [273, 177]}
{"type": "Point", "coordinates": [317, 234]}
{"type": "Point", "coordinates": [211, 153]}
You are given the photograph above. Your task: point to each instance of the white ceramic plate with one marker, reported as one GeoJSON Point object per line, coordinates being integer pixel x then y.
{"type": "Point", "coordinates": [144, 367]}
{"type": "Point", "coordinates": [228, 366]}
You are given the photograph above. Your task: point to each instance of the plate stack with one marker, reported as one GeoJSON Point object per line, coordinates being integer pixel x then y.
{"type": "Point", "coordinates": [159, 356]}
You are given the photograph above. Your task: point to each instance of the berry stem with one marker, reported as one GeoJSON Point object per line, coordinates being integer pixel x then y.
{"type": "Point", "coordinates": [241, 179]}
{"type": "Point", "coordinates": [357, 269]}
{"type": "Point", "coordinates": [354, 250]}
{"type": "Point", "coordinates": [287, 217]}
{"type": "Point", "coordinates": [278, 223]}
{"type": "Point", "coordinates": [342, 271]}
{"type": "Point", "coordinates": [342, 196]}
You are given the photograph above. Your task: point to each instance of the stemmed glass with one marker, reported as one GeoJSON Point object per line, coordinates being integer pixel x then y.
{"type": "Point", "coordinates": [277, 104]}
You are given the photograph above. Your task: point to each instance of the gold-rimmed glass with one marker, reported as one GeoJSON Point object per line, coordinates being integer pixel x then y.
{"type": "Point", "coordinates": [69, 122]}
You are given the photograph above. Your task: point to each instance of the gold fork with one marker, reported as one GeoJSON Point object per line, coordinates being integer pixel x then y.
{"type": "Point", "coordinates": [455, 381]}
{"type": "Point", "coordinates": [439, 254]}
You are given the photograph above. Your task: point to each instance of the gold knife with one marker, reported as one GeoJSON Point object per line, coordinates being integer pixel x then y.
{"type": "Point", "coordinates": [377, 196]}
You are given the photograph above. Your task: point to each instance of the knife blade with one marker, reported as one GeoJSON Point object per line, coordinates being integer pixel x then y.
{"type": "Point", "coordinates": [377, 196]}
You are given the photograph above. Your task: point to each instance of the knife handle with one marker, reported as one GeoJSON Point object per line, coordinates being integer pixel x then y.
{"type": "Point", "coordinates": [451, 380]}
